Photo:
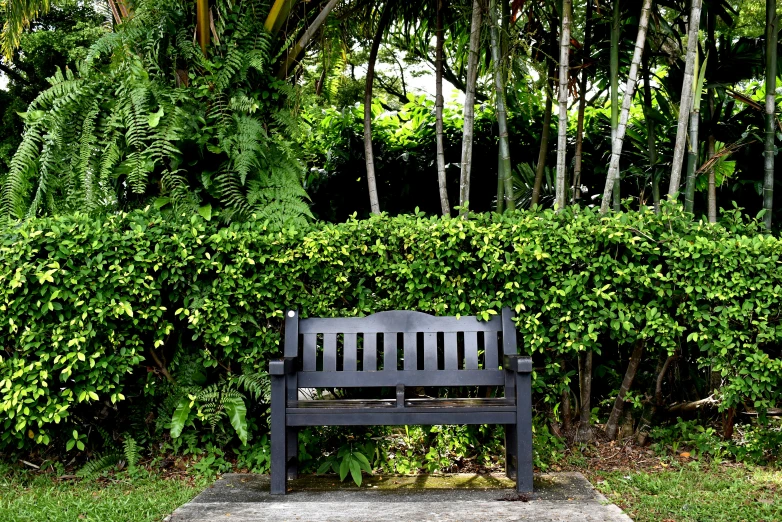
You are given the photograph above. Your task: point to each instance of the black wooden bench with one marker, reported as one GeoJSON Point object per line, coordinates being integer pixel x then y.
{"type": "Point", "coordinates": [435, 352]}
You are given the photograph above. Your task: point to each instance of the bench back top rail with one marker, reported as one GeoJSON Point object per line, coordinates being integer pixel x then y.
{"type": "Point", "coordinates": [400, 347]}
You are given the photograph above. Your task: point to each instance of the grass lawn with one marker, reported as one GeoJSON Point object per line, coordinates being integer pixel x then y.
{"type": "Point", "coordinates": [145, 498]}
{"type": "Point", "coordinates": [695, 492]}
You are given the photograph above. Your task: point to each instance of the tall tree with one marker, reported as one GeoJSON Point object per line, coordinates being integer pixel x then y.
{"type": "Point", "coordinates": [444, 204]}
{"type": "Point", "coordinates": [771, 103]}
{"type": "Point", "coordinates": [614, 82]}
{"type": "Point", "coordinates": [685, 103]}
{"type": "Point", "coordinates": [564, 51]}
{"type": "Point", "coordinates": [582, 92]}
{"type": "Point", "coordinates": [504, 174]}
{"type": "Point", "coordinates": [385, 18]}
{"type": "Point", "coordinates": [616, 148]}
{"type": "Point", "coordinates": [469, 106]}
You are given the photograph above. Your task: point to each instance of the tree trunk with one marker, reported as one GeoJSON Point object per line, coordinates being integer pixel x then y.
{"type": "Point", "coordinates": [651, 142]}
{"type": "Point", "coordinates": [564, 50]}
{"type": "Point", "coordinates": [632, 368]}
{"type": "Point", "coordinates": [502, 120]}
{"type": "Point", "coordinates": [297, 49]}
{"type": "Point", "coordinates": [658, 388]}
{"type": "Point", "coordinates": [616, 150]}
{"type": "Point", "coordinates": [685, 104]}
{"type": "Point", "coordinates": [566, 410]}
{"type": "Point", "coordinates": [544, 137]}
{"type": "Point", "coordinates": [444, 204]}
{"type": "Point", "coordinates": [582, 91]}
{"type": "Point", "coordinates": [614, 82]}
{"type": "Point", "coordinates": [771, 87]}
{"type": "Point", "coordinates": [202, 24]}
{"type": "Point", "coordinates": [385, 17]}
{"type": "Point", "coordinates": [584, 431]}
{"type": "Point", "coordinates": [469, 108]}
{"type": "Point", "coordinates": [692, 160]}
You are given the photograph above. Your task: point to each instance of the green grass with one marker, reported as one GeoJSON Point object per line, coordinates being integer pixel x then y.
{"type": "Point", "coordinates": [696, 493]}
{"type": "Point", "coordinates": [26, 497]}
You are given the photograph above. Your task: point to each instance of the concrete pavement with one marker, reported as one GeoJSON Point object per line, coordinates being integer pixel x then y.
{"type": "Point", "coordinates": [558, 497]}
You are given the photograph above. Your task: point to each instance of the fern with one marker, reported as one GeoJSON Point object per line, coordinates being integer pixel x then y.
{"type": "Point", "coordinates": [130, 451]}
{"type": "Point", "coordinates": [147, 117]}
{"type": "Point", "coordinates": [97, 465]}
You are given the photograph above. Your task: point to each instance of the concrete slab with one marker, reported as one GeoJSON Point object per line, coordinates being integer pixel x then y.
{"type": "Point", "coordinates": [558, 497]}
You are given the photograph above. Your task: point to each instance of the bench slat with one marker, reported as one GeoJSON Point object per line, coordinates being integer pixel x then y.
{"type": "Point", "coordinates": [331, 379]}
{"type": "Point", "coordinates": [491, 351]}
{"type": "Point", "coordinates": [470, 350]}
{"type": "Point", "coordinates": [389, 352]}
{"type": "Point", "coordinates": [309, 363]}
{"type": "Point", "coordinates": [349, 353]}
{"type": "Point", "coordinates": [498, 403]}
{"type": "Point", "coordinates": [451, 351]}
{"type": "Point", "coordinates": [411, 351]}
{"type": "Point", "coordinates": [330, 352]}
{"type": "Point", "coordinates": [430, 351]}
{"type": "Point", "coordinates": [370, 352]}
{"type": "Point", "coordinates": [399, 321]}
{"type": "Point", "coordinates": [399, 417]}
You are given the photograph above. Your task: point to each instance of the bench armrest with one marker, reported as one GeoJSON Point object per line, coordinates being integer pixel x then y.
{"type": "Point", "coordinates": [517, 363]}
{"type": "Point", "coordinates": [283, 366]}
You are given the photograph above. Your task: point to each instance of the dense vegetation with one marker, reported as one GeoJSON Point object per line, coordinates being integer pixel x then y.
{"type": "Point", "coordinates": [116, 327]}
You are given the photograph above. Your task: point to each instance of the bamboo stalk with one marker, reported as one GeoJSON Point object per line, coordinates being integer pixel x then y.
{"type": "Point", "coordinates": [651, 142]}
{"type": "Point", "coordinates": [616, 150]}
{"type": "Point", "coordinates": [564, 50]}
{"type": "Point", "coordinates": [504, 172]}
{"type": "Point", "coordinates": [685, 104]}
{"type": "Point", "coordinates": [614, 82]}
{"type": "Point", "coordinates": [469, 108]}
{"type": "Point", "coordinates": [385, 18]}
{"type": "Point", "coordinates": [445, 206]}
{"type": "Point", "coordinates": [582, 88]}
{"type": "Point", "coordinates": [540, 169]}
{"type": "Point", "coordinates": [771, 87]}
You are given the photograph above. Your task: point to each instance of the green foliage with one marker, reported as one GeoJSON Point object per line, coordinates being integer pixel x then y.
{"type": "Point", "coordinates": [218, 400]}
{"type": "Point", "coordinates": [147, 118]}
{"type": "Point", "coordinates": [347, 460]}
{"type": "Point", "coordinates": [140, 305]}
{"type": "Point", "coordinates": [754, 443]}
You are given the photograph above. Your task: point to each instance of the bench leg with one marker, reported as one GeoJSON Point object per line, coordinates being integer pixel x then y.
{"type": "Point", "coordinates": [510, 451]}
{"type": "Point", "coordinates": [279, 438]}
{"type": "Point", "coordinates": [523, 429]}
{"type": "Point", "coordinates": [292, 453]}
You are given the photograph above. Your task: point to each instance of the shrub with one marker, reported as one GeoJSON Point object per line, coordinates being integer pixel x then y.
{"type": "Point", "coordinates": [114, 320]}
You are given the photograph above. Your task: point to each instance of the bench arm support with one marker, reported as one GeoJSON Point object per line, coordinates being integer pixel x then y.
{"type": "Point", "coordinates": [284, 366]}
{"type": "Point", "coordinates": [517, 363]}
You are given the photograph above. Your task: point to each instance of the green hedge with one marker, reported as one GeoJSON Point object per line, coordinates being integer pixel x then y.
{"type": "Point", "coordinates": [85, 303]}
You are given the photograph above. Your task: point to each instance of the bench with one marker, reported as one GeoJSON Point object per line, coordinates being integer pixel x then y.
{"type": "Point", "coordinates": [364, 352]}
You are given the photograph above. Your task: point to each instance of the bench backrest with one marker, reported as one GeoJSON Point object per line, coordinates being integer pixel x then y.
{"type": "Point", "coordinates": [399, 347]}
